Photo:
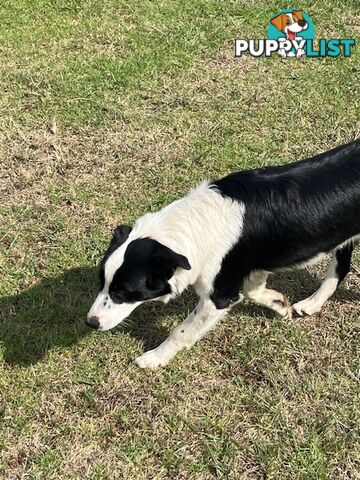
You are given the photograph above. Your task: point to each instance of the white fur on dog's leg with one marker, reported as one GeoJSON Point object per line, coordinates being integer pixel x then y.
{"type": "Point", "coordinates": [279, 303]}
{"type": "Point", "coordinates": [158, 357]}
{"type": "Point", "coordinates": [150, 360]}
{"type": "Point", "coordinates": [313, 304]}
{"type": "Point", "coordinates": [309, 306]}
{"type": "Point", "coordinates": [255, 289]}
{"type": "Point", "coordinates": [201, 320]}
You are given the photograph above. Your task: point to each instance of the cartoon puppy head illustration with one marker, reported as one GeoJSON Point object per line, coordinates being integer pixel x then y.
{"type": "Point", "coordinates": [290, 23]}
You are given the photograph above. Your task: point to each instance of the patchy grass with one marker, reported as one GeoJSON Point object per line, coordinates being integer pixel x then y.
{"type": "Point", "coordinates": [108, 110]}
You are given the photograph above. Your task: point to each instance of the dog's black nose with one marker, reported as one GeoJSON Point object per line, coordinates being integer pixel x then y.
{"type": "Point", "coordinates": [93, 322]}
{"type": "Point", "coordinates": [302, 23]}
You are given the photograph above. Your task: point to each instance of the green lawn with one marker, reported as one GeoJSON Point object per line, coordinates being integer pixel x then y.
{"type": "Point", "coordinates": [109, 109]}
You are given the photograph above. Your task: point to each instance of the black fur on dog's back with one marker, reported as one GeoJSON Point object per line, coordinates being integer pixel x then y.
{"type": "Point", "coordinates": [292, 213]}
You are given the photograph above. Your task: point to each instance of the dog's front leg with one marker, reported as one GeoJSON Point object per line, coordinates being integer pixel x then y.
{"type": "Point", "coordinates": [201, 320]}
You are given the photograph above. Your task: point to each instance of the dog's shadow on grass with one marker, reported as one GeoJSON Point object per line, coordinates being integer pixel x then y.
{"type": "Point", "coordinates": [47, 315]}
{"type": "Point", "coordinates": [51, 314]}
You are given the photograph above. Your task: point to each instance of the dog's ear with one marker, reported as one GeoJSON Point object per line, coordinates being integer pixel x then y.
{"type": "Point", "coordinates": [279, 22]}
{"type": "Point", "coordinates": [298, 14]}
{"type": "Point", "coordinates": [166, 261]}
{"type": "Point", "coordinates": [120, 235]}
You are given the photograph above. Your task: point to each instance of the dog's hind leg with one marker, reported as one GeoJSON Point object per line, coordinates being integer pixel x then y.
{"type": "Point", "coordinates": [337, 271]}
{"type": "Point", "coordinates": [255, 289]}
{"type": "Point", "coordinates": [201, 320]}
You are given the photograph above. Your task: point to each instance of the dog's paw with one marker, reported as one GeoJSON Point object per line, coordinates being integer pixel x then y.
{"type": "Point", "coordinates": [309, 306]}
{"type": "Point", "coordinates": [280, 304]}
{"type": "Point", "coordinates": [151, 359]}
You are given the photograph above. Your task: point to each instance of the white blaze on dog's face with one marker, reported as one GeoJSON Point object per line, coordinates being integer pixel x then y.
{"type": "Point", "coordinates": [132, 272]}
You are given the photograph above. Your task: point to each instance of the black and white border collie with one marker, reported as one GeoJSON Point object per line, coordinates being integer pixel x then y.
{"type": "Point", "coordinates": [226, 237]}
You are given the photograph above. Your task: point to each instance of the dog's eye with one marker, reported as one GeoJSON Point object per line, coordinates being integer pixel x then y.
{"type": "Point", "coordinates": [117, 297]}
{"type": "Point", "coordinates": [288, 21]}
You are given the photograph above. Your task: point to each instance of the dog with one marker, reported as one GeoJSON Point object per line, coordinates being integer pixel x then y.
{"type": "Point", "coordinates": [290, 24]}
{"type": "Point", "coordinates": [226, 237]}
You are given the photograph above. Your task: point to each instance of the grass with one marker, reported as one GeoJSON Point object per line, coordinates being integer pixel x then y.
{"type": "Point", "coordinates": [111, 109]}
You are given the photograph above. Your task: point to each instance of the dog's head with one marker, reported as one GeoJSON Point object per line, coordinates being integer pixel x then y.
{"type": "Point", "coordinates": [290, 23]}
{"type": "Point", "coordinates": [132, 271]}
